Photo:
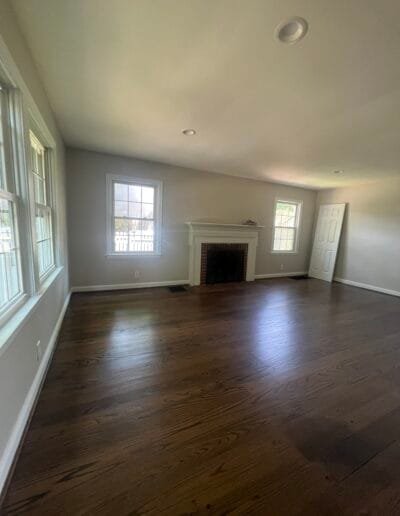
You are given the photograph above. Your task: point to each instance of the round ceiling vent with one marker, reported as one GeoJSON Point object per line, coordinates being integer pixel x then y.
{"type": "Point", "coordinates": [291, 30]}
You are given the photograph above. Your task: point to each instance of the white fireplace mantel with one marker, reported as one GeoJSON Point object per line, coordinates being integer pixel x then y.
{"type": "Point", "coordinates": [219, 233]}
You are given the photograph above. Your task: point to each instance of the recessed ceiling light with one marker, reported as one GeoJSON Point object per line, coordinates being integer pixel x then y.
{"type": "Point", "coordinates": [189, 132]}
{"type": "Point", "coordinates": [338, 171]}
{"type": "Point", "coordinates": [291, 30]}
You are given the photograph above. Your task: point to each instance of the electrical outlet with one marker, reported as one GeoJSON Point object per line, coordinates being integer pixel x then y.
{"type": "Point", "coordinates": [281, 266]}
{"type": "Point", "coordinates": [137, 274]}
{"type": "Point", "coordinates": [38, 351]}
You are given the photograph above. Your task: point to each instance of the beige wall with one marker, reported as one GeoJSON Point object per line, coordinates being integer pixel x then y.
{"type": "Point", "coordinates": [370, 246]}
{"type": "Point", "coordinates": [18, 364]}
{"type": "Point", "coordinates": [187, 195]}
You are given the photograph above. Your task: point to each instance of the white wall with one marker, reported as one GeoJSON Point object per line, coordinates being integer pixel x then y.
{"type": "Point", "coordinates": [187, 195]}
{"type": "Point", "coordinates": [370, 246]}
{"type": "Point", "coordinates": [18, 364]}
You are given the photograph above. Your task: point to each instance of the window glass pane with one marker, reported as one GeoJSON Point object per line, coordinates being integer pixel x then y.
{"type": "Point", "coordinates": [135, 210]}
{"type": "Point", "coordinates": [135, 236]}
{"type": "Point", "coordinates": [148, 194]}
{"type": "Point", "coordinates": [135, 193]}
{"type": "Point", "coordinates": [6, 235]}
{"type": "Point", "coordinates": [33, 159]}
{"type": "Point", "coordinates": [121, 233]}
{"type": "Point", "coordinates": [147, 211]}
{"type": "Point", "coordinates": [44, 240]}
{"type": "Point", "coordinates": [43, 213]}
{"type": "Point", "coordinates": [121, 209]}
{"type": "Point", "coordinates": [44, 256]}
{"type": "Point", "coordinates": [39, 226]}
{"type": "Point", "coordinates": [133, 218]}
{"type": "Point", "coordinates": [10, 281]}
{"type": "Point", "coordinates": [148, 235]}
{"type": "Point", "coordinates": [284, 239]}
{"type": "Point", "coordinates": [38, 169]}
{"type": "Point", "coordinates": [39, 184]}
{"type": "Point", "coordinates": [2, 171]}
{"type": "Point", "coordinates": [37, 156]}
{"type": "Point", "coordinates": [43, 229]}
{"type": "Point", "coordinates": [120, 192]}
{"type": "Point", "coordinates": [3, 280]}
{"type": "Point", "coordinates": [285, 214]}
{"type": "Point", "coordinates": [2, 166]}
{"type": "Point", "coordinates": [40, 157]}
{"type": "Point", "coordinates": [141, 238]}
{"type": "Point", "coordinates": [286, 223]}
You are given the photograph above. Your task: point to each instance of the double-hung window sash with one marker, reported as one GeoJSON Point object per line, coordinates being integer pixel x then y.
{"type": "Point", "coordinates": [134, 216]}
{"type": "Point", "coordinates": [286, 224]}
{"type": "Point", "coordinates": [11, 287]}
{"type": "Point", "coordinates": [43, 209]}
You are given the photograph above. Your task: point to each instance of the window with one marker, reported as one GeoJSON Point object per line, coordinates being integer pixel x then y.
{"type": "Point", "coordinates": [11, 289]}
{"type": "Point", "coordinates": [43, 210]}
{"type": "Point", "coordinates": [26, 205]}
{"type": "Point", "coordinates": [286, 226]}
{"type": "Point", "coordinates": [134, 220]}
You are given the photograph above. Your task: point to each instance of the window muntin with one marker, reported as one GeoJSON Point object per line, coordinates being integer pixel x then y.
{"type": "Point", "coordinates": [286, 224]}
{"type": "Point", "coordinates": [43, 209]}
{"type": "Point", "coordinates": [135, 216]}
{"type": "Point", "coordinates": [11, 285]}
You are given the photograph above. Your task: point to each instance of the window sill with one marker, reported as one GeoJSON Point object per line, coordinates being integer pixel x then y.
{"type": "Point", "coordinates": [17, 304]}
{"type": "Point", "coordinates": [22, 315]}
{"type": "Point", "coordinates": [132, 255]}
{"type": "Point", "coordinates": [284, 252]}
{"type": "Point", "coordinates": [47, 279]}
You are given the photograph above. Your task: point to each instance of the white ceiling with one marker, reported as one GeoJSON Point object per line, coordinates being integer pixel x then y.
{"type": "Point", "coordinates": [126, 76]}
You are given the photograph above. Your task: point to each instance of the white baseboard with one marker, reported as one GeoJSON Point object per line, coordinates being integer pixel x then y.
{"type": "Point", "coordinates": [127, 286]}
{"type": "Point", "coordinates": [367, 287]}
{"type": "Point", "coordinates": [17, 433]}
{"type": "Point", "coordinates": [280, 275]}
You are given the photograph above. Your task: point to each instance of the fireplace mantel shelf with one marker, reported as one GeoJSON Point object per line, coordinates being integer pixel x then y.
{"type": "Point", "coordinates": [222, 224]}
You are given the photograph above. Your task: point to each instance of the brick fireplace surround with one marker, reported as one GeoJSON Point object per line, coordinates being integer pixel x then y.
{"type": "Point", "coordinates": [220, 233]}
{"type": "Point", "coordinates": [233, 247]}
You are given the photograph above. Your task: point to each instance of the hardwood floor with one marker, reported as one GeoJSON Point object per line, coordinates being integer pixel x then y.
{"type": "Point", "coordinates": [279, 397]}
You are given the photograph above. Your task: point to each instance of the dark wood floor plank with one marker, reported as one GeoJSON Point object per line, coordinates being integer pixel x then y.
{"type": "Point", "coordinates": [277, 397]}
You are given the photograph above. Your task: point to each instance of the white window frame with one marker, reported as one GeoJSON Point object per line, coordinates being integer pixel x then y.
{"type": "Point", "coordinates": [299, 205]}
{"type": "Point", "coordinates": [158, 191]}
{"type": "Point", "coordinates": [13, 193]}
{"type": "Point", "coordinates": [23, 109]}
{"type": "Point", "coordinates": [49, 207]}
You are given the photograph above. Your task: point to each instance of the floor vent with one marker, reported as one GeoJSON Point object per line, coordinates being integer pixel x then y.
{"type": "Point", "coordinates": [177, 288]}
{"type": "Point", "coordinates": [303, 276]}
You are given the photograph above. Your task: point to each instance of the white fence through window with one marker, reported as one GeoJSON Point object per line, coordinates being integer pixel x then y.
{"type": "Point", "coordinates": [134, 241]}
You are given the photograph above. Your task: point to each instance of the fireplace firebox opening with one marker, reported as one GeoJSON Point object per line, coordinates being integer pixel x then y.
{"type": "Point", "coordinates": [223, 263]}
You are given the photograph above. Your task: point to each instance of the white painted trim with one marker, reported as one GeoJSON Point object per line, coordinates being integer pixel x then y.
{"type": "Point", "coordinates": [280, 275]}
{"type": "Point", "coordinates": [21, 316]}
{"type": "Point", "coordinates": [222, 224]}
{"type": "Point", "coordinates": [127, 286]}
{"type": "Point", "coordinates": [158, 213]}
{"type": "Point", "coordinates": [36, 132]}
{"type": "Point", "coordinates": [299, 210]}
{"type": "Point", "coordinates": [366, 286]}
{"type": "Point", "coordinates": [17, 433]}
{"type": "Point", "coordinates": [200, 233]}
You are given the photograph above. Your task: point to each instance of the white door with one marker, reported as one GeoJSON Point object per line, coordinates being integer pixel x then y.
{"type": "Point", "coordinates": [326, 241]}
